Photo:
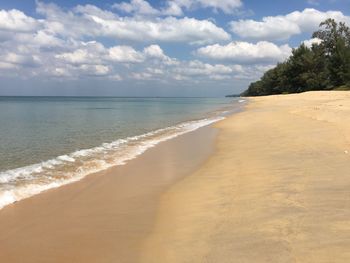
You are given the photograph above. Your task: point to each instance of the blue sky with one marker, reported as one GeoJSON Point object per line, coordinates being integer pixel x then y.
{"type": "Point", "coordinates": [151, 48]}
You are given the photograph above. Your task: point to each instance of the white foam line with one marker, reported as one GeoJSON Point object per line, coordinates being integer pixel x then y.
{"type": "Point", "coordinates": [27, 176]}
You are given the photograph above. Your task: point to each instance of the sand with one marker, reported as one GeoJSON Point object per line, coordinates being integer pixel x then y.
{"type": "Point", "coordinates": [276, 188]}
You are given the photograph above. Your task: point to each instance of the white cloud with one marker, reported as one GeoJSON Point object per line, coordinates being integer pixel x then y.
{"type": "Point", "coordinates": [95, 70]}
{"type": "Point", "coordinates": [125, 54]}
{"type": "Point", "coordinates": [148, 64]}
{"type": "Point", "coordinates": [16, 21]}
{"type": "Point", "coordinates": [87, 53]}
{"type": "Point", "coordinates": [172, 9]}
{"type": "Point", "coordinates": [90, 21]}
{"type": "Point", "coordinates": [283, 27]}
{"type": "Point", "coordinates": [312, 41]}
{"type": "Point", "coordinates": [20, 60]}
{"type": "Point", "coordinates": [196, 71]}
{"type": "Point", "coordinates": [195, 68]}
{"type": "Point", "coordinates": [83, 59]}
{"type": "Point", "coordinates": [94, 52]}
{"type": "Point", "coordinates": [137, 7]}
{"type": "Point", "coordinates": [93, 10]}
{"type": "Point", "coordinates": [154, 51]}
{"type": "Point", "coordinates": [168, 29]}
{"type": "Point", "coordinates": [43, 38]}
{"type": "Point", "coordinates": [79, 56]}
{"type": "Point", "coordinates": [244, 52]}
{"type": "Point", "coordinates": [271, 28]}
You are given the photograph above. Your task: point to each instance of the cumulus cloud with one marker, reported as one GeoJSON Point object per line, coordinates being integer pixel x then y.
{"type": "Point", "coordinates": [283, 27]}
{"type": "Point", "coordinates": [111, 62]}
{"type": "Point", "coordinates": [94, 58]}
{"type": "Point", "coordinates": [92, 10]}
{"type": "Point", "coordinates": [95, 70]}
{"type": "Point", "coordinates": [155, 52]}
{"type": "Point", "coordinates": [272, 28]}
{"type": "Point", "coordinates": [86, 53]}
{"type": "Point", "coordinates": [125, 54]}
{"type": "Point", "coordinates": [244, 52]}
{"type": "Point", "coordinates": [16, 21]}
{"type": "Point", "coordinates": [76, 57]}
{"type": "Point", "coordinates": [61, 42]}
{"type": "Point", "coordinates": [169, 29]}
{"type": "Point", "coordinates": [90, 21]}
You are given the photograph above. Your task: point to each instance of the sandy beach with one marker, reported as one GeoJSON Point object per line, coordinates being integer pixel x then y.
{"type": "Point", "coordinates": [268, 184]}
{"type": "Point", "coordinates": [276, 189]}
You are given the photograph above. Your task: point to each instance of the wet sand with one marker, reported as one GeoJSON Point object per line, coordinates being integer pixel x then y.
{"type": "Point", "coordinates": [106, 216]}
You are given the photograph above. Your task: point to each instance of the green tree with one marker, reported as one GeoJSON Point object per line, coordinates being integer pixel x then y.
{"type": "Point", "coordinates": [336, 45]}
{"type": "Point", "coordinates": [323, 66]}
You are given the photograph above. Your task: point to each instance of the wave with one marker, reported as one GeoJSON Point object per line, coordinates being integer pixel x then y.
{"type": "Point", "coordinates": [24, 182]}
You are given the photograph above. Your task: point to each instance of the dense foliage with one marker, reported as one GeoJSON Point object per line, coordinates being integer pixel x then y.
{"type": "Point", "coordinates": [324, 66]}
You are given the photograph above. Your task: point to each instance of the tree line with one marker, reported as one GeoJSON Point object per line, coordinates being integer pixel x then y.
{"type": "Point", "coordinates": [323, 66]}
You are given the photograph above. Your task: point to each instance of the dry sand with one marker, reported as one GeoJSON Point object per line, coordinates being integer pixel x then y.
{"type": "Point", "coordinates": [276, 189]}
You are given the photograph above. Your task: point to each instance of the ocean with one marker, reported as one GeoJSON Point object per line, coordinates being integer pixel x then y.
{"type": "Point", "coordinates": [46, 142]}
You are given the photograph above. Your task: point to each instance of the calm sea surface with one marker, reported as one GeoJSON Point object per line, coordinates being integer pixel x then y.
{"type": "Point", "coordinates": [46, 142]}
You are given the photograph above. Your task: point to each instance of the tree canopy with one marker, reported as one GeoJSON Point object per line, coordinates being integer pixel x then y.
{"type": "Point", "coordinates": [324, 66]}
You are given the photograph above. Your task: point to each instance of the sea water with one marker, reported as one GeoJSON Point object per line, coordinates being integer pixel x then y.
{"type": "Point", "coordinates": [46, 142]}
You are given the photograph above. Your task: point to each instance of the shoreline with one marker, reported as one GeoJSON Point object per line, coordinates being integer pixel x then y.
{"type": "Point", "coordinates": [104, 216]}
{"type": "Point", "coordinates": [75, 166]}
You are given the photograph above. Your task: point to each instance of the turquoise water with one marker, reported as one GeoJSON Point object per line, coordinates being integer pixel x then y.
{"type": "Point", "coordinates": [46, 142]}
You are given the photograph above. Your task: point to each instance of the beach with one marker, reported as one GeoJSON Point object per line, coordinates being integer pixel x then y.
{"type": "Point", "coordinates": [267, 184]}
{"type": "Point", "coordinates": [276, 189]}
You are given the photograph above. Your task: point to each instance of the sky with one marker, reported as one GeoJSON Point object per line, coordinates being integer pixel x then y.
{"type": "Point", "coordinates": [207, 48]}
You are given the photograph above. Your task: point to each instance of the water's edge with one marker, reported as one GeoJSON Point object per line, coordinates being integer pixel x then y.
{"type": "Point", "coordinates": [24, 182]}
